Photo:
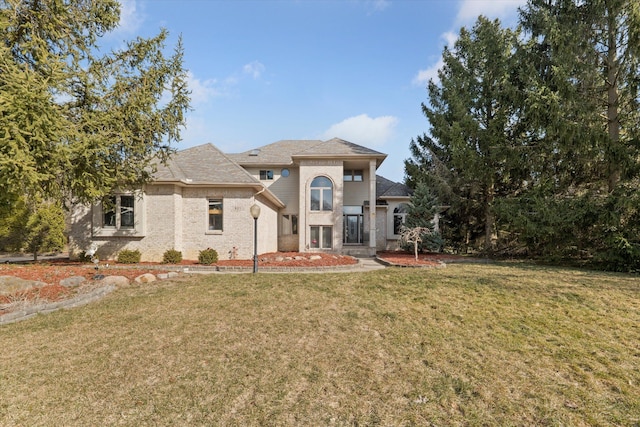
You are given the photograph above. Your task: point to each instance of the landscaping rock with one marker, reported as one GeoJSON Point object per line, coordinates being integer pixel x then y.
{"type": "Point", "coordinates": [145, 278]}
{"type": "Point", "coordinates": [73, 281]}
{"type": "Point", "coordinates": [10, 285]}
{"type": "Point", "coordinates": [115, 280]}
{"type": "Point", "coordinates": [315, 257]}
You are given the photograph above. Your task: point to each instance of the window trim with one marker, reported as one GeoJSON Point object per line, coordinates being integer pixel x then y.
{"type": "Point", "coordinates": [266, 174]}
{"type": "Point", "coordinates": [322, 195]}
{"type": "Point", "coordinates": [400, 212]}
{"type": "Point", "coordinates": [289, 224]}
{"type": "Point", "coordinates": [133, 210]}
{"type": "Point", "coordinates": [210, 201]}
{"type": "Point", "coordinates": [322, 229]}
{"type": "Point", "coordinates": [353, 175]}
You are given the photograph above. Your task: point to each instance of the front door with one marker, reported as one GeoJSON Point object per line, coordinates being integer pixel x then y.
{"type": "Point", "coordinates": [352, 229]}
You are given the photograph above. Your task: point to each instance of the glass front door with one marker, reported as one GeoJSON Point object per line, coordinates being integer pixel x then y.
{"type": "Point", "coordinates": [353, 229]}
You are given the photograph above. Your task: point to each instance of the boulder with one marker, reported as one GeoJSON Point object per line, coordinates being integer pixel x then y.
{"type": "Point", "coordinates": [145, 278]}
{"type": "Point", "coordinates": [315, 257]}
{"type": "Point", "coordinates": [10, 285]}
{"type": "Point", "coordinates": [73, 281]}
{"type": "Point", "coordinates": [115, 280]}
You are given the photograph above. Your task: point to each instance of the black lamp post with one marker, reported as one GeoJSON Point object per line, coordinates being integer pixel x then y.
{"type": "Point", "coordinates": [255, 213]}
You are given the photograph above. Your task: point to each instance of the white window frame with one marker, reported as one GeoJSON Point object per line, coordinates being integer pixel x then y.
{"type": "Point", "coordinates": [400, 212]}
{"type": "Point", "coordinates": [321, 191]}
{"type": "Point", "coordinates": [120, 214]}
{"type": "Point", "coordinates": [353, 175]}
{"type": "Point", "coordinates": [210, 201]}
{"type": "Point", "coordinates": [324, 232]}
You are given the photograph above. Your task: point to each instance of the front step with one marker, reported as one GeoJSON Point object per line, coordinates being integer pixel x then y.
{"type": "Point", "coordinates": [358, 251]}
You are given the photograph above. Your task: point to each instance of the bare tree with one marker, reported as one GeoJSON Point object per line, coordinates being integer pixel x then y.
{"type": "Point", "coordinates": [413, 235]}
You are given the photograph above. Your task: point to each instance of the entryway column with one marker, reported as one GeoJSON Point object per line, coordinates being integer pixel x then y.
{"type": "Point", "coordinates": [372, 205]}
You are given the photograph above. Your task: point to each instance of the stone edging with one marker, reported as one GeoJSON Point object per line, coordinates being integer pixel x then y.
{"type": "Point", "coordinates": [77, 301]}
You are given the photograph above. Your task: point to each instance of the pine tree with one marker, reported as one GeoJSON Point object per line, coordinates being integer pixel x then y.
{"type": "Point", "coordinates": [472, 156]}
{"type": "Point", "coordinates": [76, 124]}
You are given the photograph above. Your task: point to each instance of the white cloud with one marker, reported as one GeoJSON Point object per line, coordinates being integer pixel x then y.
{"type": "Point", "coordinates": [197, 131]}
{"type": "Point", "coordinates": [254, 69]}
{"type": "Point", "coordinates": [202, 90]}
{"type": "Point", "coordinates": [469, 10]}
{"type": "Point", "coordinates": [380, 5]}
{"type": "Point", "coordinates": [431, 73]}
{"type": "Point", "coordinates": [449, 38]}
{"type": "Point", "coordinates": [422, 78]}
{"type": "Point", "coordinates": [131, 17]}
{"type": "Point", "coordinates": [363, 130]}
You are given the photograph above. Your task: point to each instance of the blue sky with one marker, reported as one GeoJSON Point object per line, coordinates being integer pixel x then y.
{"type": "Point", "coordinates": [262, 71]}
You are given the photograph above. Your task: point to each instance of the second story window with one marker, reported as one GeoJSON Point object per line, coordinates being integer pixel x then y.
{"type": "Point", "coordinates": [266, 175]}
{"type": "Point", "coordinates": [321, 194]}
{"type": "Point", "coordinates": [353, 175]}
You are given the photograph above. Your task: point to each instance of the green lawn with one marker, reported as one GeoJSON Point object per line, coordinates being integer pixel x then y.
{"type": "Point", "coordinates": [463, 345]}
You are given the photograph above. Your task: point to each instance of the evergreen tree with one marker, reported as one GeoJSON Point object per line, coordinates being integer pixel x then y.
{"type": "Point", "coordinates": [583, 131]}
{"type": "Point", "coordinates": [421, 215]}
{"type": "Point", "coordinates": [583, 106]}
{"type": "Point", "coordinates": [473, 157]}
{"type": "Point", "coordinates": [76, 124]}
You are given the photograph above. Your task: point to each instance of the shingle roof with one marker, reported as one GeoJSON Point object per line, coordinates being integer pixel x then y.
{"type": "Point", "coordinates": [387, 188]}
{"type": "Point", "coordinates": [279, 152]}
{"type": "Point", "coordinates": [340, 147]}
{"type": "Point", "coordinates": [203, 164]}
{"type": "Point", "coordinates": [283, 152]}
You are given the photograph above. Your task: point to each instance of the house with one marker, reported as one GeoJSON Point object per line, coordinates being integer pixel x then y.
{"type": "Point", "coordinates": [313, 196]}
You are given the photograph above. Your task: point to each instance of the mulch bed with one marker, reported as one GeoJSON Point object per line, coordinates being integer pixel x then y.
{"type": "Point", "coordinates": [406, 259]}
{"type": "Point", "coordinates": [53, 271]}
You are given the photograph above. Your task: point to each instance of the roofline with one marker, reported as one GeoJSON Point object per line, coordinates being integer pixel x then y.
{"type": "Point", "coordinates": [256, 186]}
{"type": "Point", "coordinates": [257, 164]}
{"type": "Point", "coordinates": [394, 197]}
{"type": "Point", "coordinates": [379, 157]}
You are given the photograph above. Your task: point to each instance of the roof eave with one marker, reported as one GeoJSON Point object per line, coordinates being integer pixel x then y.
{"type": "Point", "coordinates": [198, 184]}
{"type": "Point", "coordinates": [379, 158]}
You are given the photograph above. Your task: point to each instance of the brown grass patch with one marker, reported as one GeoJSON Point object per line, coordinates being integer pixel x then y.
{"type": "Point", "coordinates": [468, 344]}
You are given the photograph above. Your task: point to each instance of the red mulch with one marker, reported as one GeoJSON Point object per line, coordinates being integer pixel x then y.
{"type": "Point", "coordinates": [52, 272]}
{"type": "Point", "coordinates": [409, 259]}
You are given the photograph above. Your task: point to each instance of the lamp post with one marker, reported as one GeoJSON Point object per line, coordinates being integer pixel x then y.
{"type": "Point", "coordinates": [255, 213]}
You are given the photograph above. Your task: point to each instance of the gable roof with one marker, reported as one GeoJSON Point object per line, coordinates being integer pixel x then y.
{"type": "Point", "coordinates": [286, 151]}
{"type": "Point", "coordinates": [278, 153]}
{"type": "Point", "coordinates": [387, 189]}
{"type": "Point", "coordinates": [207, 165]}
{"type": "Point", "coordinates": [340, 147]}
{"type": "Point", "coordinates": [203, 164]}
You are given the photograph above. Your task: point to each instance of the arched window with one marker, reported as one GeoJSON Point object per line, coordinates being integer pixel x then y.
{"type": "Point", "coordinates": [321, 194]}
{"type": "Point", "coordinates": [399, 217]}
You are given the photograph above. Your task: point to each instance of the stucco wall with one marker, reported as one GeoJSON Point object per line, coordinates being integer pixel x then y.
{"type": "Point", "coordinates": [309, 169]}
{"type": "Point", "coordinates": [355, 193]}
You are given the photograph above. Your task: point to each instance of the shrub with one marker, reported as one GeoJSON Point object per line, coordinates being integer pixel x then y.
{"type": "Point", "coordinates": [172, 256]}
{"type": "Point", "coordinates": [83, 257]}
{"type": "Point", "coordinates": [127, 256]}
{"type": "Point", "coordinates": [208, 256]}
